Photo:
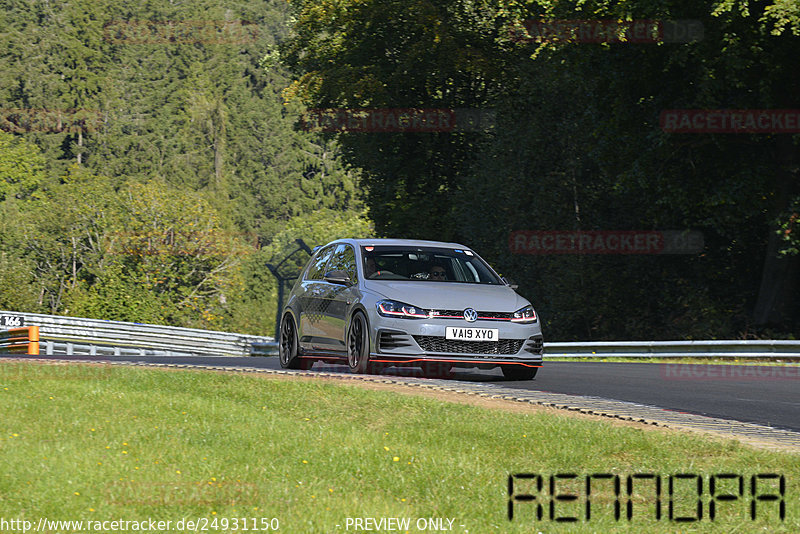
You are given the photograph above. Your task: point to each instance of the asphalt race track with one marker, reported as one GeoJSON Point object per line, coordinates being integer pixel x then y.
{"type": "Point", "coordinates": [765, 395]}
{"type": "Point", "coordinates": [753, 394]}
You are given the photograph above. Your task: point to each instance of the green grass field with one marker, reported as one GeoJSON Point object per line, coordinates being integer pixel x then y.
{"type": "Point", "coordinates": [250, 453]}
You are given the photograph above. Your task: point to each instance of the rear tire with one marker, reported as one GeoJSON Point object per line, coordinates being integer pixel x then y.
{"type": "Point", "coordinates": [519, 372]}
{"type": "Point", "coordinates": [358, 345]}
{"type": "Point", "coordinates": [288, 346]}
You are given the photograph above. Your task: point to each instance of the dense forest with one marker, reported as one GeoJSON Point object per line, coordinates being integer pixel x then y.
{"type": "Point", "coordinates": [155, 158]}
{"type": "Point", "coordinates": [176, 173]}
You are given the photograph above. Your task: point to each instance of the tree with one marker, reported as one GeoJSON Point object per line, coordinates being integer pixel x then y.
{"type": "Point", "coordinates": [425, 55]}
{"type": "Point", "coordinates": [176, 266]}
{"type": "Point", "coordinates": [22, 167]}
{"type": "Point", "coordinates": [198, 119]}
{"type": "Point", "coordinates": [67, 233]}
{"type": "Point", "coordinates": [577, 145]}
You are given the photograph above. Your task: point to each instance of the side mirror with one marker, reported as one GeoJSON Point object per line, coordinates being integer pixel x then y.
{"type": "Point", "coordinates": [337, 277]}
{"type": "Point", "coordinates": [510, 283]}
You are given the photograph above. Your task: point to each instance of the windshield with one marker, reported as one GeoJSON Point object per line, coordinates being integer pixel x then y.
{"type": "Point", "coordinates": [426, 264]}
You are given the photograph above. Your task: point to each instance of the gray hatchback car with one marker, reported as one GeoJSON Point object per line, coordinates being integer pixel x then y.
{"type": "Point", "coordinates": [373, 303]}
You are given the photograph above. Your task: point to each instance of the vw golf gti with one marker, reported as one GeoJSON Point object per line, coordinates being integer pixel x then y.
{"type": "Point", "coordinates": [373, 303]}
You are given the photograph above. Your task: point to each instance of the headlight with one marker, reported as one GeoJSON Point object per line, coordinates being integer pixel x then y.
{"type": "Point", "coordinates": [524, 315]}
{"type": "Point", "coordinates": [392, 308]}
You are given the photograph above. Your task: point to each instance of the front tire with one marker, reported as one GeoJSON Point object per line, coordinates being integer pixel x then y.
{"type": "Point", "coordinates": [288, 346]}
{"type": "Point", "coordinates": [519, 372]}
{"type": "Point", "coordinates": [358, 345]}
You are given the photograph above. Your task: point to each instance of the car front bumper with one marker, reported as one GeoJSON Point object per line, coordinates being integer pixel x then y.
{"type": "Point", "coordinates": [424, 342]}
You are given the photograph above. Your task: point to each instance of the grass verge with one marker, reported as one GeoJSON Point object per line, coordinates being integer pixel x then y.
{"type": "Point", "coordinates": [99, 443]}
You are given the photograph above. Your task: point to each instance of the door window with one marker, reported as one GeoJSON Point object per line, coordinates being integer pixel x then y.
{"type": "Point", "coordinates": [344, 259]}
{"type": "Point", "coordinates": [317, 269]}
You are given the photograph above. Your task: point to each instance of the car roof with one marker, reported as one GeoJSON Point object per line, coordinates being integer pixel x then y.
{"type": "Point", "coordinates": [401, 242]}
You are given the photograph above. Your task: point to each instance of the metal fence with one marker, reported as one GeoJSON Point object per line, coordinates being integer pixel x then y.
{"type": "Point", "coordinates": [774, 349]}
{"type": "Point", "coordinates": [60, 335]}
{"type": "Point", "coordinates": [75, 336]}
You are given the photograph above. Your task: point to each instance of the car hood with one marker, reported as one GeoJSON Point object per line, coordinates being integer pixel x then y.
{"type": "Point", "coordinates": [449, 295]}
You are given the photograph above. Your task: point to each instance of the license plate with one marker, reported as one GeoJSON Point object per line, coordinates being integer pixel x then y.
{"type": "Point", "coordinates": [472, 334]}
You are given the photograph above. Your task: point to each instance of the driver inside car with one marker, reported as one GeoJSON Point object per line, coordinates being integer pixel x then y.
{"type": "Point", "coordinates": [437, 273]}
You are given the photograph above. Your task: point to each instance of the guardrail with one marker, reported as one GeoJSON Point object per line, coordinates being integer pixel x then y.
{"type": "Point", "coordinates": [59, 335]}
{"type": "Point", "coordinates": [734, 348]}
{"type": "Point", "coordinates": [20, 341]}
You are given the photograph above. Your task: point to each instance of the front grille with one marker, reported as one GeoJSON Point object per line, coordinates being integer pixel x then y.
{"type": "Point", "coordinates": [483, 315]}
{"type": "Point", "coordinates": [440, 344]}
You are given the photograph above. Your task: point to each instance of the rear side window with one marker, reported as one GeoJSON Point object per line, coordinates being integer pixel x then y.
{"type": "Point", "coordinates": [317, 269]}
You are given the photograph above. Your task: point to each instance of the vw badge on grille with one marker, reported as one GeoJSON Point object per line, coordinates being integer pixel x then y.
{"type": "Point", "coordinates": [470, 315]}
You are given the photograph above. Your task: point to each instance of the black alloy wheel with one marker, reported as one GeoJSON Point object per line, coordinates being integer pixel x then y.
{"type": "Point", "coordinates": [288, 345]}
{"type": "Point", "coordinates": [358, 345]}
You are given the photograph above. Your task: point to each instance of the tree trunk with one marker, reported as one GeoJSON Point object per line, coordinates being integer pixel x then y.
{"type": "Point", "coordinates": [217, 157]}
{"type": "Point", "coordinates": [777, 297]}
{"type": "Point", "coordinates": [80, 147]}
{"type": "Point", "coordinates": [218, 129]}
